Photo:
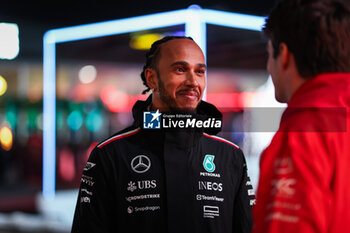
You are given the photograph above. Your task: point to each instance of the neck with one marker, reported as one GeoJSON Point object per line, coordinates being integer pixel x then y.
{"type": "Point", "coordinates": [295, 83]}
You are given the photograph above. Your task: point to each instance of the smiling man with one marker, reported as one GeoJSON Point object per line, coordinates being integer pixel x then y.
{"type": "Point", "coordinates": [149, 178]}
{"type": "Point", "coordinates": [178, 79]}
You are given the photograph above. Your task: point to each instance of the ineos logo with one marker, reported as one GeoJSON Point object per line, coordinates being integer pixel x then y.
{"type": "Point", "coordinates": [206, 185]}
{"type": "Point", "coordinates": [140, 164]}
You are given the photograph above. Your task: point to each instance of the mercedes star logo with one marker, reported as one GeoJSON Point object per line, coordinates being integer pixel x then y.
{"type": "Point", "coordinates": [140, 164]}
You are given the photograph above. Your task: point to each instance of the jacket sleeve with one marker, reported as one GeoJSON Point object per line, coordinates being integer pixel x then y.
{"type": "Point", "coordinates": [295, 186]}
{"type": "Point", "coordinates": [94, 212]}
{"type": "Point", "coordinates": [245, 199]}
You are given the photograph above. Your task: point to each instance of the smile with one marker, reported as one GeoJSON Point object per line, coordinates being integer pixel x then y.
{"type": "Point", "coordinates": [191, 95]}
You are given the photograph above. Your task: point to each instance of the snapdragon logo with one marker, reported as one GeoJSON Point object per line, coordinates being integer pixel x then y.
{"type": "Point", "coordinates": [151, 120]}
{"type": "Point", "coordinates": [157, 120]}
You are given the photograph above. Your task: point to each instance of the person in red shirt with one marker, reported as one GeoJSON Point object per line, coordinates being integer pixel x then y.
{"type": "Point", "coordinates": [304, 173]}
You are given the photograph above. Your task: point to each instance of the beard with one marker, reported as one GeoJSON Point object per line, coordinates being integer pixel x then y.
{"type": "Point", "coordinates": [169, 100]}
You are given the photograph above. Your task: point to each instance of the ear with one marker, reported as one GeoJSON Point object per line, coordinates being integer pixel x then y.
{"type": "Point", "coordinates": [151, 78]}
{"type": "Point", "coordinates": [285, 55]}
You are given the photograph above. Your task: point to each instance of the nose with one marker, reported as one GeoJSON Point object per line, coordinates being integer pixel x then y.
{"type": "Point", "coordinates": [191, 79]}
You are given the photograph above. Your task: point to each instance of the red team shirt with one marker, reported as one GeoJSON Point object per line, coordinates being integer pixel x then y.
{"type": "Point", "coordinates": [304, 181]}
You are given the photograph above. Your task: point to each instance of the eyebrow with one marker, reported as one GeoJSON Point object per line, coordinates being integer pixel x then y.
{"type": "Point", "coordinates": [186, 64]}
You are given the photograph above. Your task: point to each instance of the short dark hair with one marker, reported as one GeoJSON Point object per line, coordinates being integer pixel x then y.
{"type": "Point", "coordinates": [317, 32]}
{"type": "Point", "coordinates": [152, 57]}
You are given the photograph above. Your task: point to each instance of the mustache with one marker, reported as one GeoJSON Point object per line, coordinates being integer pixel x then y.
{"type": "Point", "coordinates": [196, 91]}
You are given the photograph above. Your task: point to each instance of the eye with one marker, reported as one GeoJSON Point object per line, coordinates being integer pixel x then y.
{"type": "Point", "coordinates": [201, 71]}
{"type": "Point", "coordinates": [180, 69]}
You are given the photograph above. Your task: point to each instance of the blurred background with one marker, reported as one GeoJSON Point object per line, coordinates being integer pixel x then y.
{"type": "Point", "coordinates": [97, 82]}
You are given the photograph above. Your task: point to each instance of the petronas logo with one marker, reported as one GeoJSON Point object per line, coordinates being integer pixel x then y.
{"type": "Point", "coordinates": [208, 163]}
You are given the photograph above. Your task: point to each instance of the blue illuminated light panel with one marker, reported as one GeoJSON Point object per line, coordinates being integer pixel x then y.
{"type": "Point", "coordinates": [195, 20]}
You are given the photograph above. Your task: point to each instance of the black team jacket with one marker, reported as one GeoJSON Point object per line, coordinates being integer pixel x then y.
{"type": "Point", "coordinates": [159, 180]}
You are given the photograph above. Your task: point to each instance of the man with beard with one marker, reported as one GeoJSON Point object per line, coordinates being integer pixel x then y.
{"type": "Point", "coordinates": [167, 180]}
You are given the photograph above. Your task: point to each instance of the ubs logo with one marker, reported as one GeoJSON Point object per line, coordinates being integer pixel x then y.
{"type": "Point", "coordinates": [140, 164]}
{"type": "Point", "coordinates": [141, 184]}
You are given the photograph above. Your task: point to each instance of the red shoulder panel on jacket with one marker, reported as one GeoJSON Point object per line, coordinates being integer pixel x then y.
{"type": "Point", "coordinates": [120, 136]}
{"type": "Point", "coordinates": [221, 140]}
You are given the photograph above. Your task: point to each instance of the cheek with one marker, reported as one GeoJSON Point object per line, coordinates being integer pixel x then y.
{"type": "Point", "coordinates": [272, 64]}
{"type": "Point", "coordinates": [201, 83]}
{"type": "Point", "coordinates": [271, 68]}
{"type": "Point", "coordinates": [268, 65]}
{"type": "Point", "coordinates": [172, 86]}
{"type": "Point", "coordinates": [167, 83]}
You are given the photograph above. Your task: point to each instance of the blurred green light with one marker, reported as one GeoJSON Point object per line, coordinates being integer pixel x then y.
{"type": "Point", "coordinates": [75, 120]}
{"type": "Point", "coordinates": [11, 117]}
{"type": "Point", "coordinates": [73, 106]}
{"type": "Point", "coordinates": [32, 115]}
{"type": "Point", "coordinates": [94, 121]}
{"type": "Point", "coordinates": [59, 121]}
